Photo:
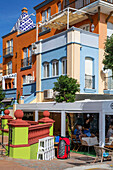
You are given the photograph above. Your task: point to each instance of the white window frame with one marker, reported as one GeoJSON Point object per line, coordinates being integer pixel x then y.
{"type": "Point", "coordinates": [54, 63]}
{"type": "Point", "coordinates": [65, 66]}
{"type": "Point", "coordinates": [46, 71]}
{"type": "Point", "coordinates": [84, 27]}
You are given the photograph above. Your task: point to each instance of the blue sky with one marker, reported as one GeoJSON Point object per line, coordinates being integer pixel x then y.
{"type": "Point", "coordinates": [10, 12]}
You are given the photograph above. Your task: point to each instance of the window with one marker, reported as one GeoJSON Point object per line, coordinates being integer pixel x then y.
{"type": "Point", "coordinates": [11, 43]}
{"type": "Point", "coordinates": [85, 27]}
{"type": "Point", "coordinates": [65, 3]}
{"type": "Point", "coordinates": [9, 85]}
{"type": "Point", "coordinates": [49, 13]}
{"type": "Point", "coordinates": [9, 46]}
{"type": "Point", "coordinates": [27, 79]}
{"type": "Point", "coordinates": [25, 52]}
{"type": "Point", "coordinates": [9, 67]}
{"type": "Point", "coordinates": [64, 66]}
{"type": "Point", "coordinates": [27, 57]}
{"type": "Point", "coordinates": [46, 70]}
{"type": "Point", "coordinates": [59, 6]}
{"type": "Point", "coordinates": [44, 15]}
{"type": "Point", "coordinates": [55, 68]}
{"type": "Point", "coordinates": [89, 77]}
{"type": "Point", "coordinates": [24, 79]}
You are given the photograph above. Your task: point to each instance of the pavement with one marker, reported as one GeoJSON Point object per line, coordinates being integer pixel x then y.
{"type": "Point", "coordinates": [76, 162]}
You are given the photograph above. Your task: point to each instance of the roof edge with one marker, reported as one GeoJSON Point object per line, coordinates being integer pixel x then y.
{"type": "Point", "coordinates": [42, 4]}
{"type": "Point", "coordinates": [9, 34]}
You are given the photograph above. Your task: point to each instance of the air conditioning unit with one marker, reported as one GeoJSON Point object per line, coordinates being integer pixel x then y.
{"type": "Point", "coordinates": [48, 94]}
{"type": "Point", "coordinates": [34, 46]}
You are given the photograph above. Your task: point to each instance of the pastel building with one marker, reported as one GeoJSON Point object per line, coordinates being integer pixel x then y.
{"type": "Point", "coordinates": [68, 39]}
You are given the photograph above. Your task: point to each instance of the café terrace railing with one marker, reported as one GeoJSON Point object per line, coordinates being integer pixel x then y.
{"type": "Point", "coordinates": [26, 62]}
{"type": "Point", "coordinates": [8, 51]}
{"type": "Point", "coordinates": [7, 72]}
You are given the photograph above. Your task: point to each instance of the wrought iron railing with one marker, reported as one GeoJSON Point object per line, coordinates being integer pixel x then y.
{"type": "Point", "coordinates": [89, 82]}
{"type": "Point", "coordinates": [108, 83]}
{"type": "Point", "coordinates": [8, 50]}
{"type": "Point", "coordinates": [82, 3]}
{"type": "Point", "coordinates": [26, 62]}
{"type": "Point", "coordinates": [8, 71]}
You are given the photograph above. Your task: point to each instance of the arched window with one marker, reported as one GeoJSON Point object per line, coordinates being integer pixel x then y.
{"type": "Point", "coordinates": [46, 70]}
{"type": "Point", "coordinates": [89, 77]}
{"type": "Point", "coordinates": [55, 68]}
{"type": "Point", "coordinates": [64, 66]}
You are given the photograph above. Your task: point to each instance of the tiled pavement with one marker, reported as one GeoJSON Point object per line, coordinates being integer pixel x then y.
{"type": "Point", "coordinates": [76, 162]}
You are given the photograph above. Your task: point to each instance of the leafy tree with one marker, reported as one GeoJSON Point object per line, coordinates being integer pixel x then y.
{"type": "Point", "coordinates": [2, 95]}
{"type": "Point", "coordinates": [108, 60]}
{"type": "Point", "coordinates": [66, 88]}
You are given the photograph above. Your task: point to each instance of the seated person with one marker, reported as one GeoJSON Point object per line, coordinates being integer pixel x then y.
{"type": "Point", "coordinates": [110, 131]}
{"type": "Point", "coordinates": [78, 132]}
{"type": "Point", "coordinates": [86, 130]}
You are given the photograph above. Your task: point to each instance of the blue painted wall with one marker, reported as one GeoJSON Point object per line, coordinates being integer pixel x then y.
{"type": "Point", "coordinates": [87, 51]}
{"type": "Point", "coordinates": [49, 56]}
{"type": "Point", "coordinates": [29, 88]}
{"type": "Point", "coordinates": [9, 93]}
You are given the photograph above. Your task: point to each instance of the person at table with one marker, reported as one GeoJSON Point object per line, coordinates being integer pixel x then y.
{"type": "Point", "coordinates": [78, 132]}
{"type": "Point", "coordinates": [86, 129]}
{"type": "Point", "coordinates": [110, 131]}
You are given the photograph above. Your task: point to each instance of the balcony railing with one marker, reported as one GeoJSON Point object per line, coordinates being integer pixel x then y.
{"type": "Point", "coordinates": [7, 72]}
{"type": "Point", "coordinates": [82, 3]}
{"type": "Point", "coordinates": [8, 51]}
{"type": "Point", "coordinates": [26, 62]}
{"type": "Point", "coordinates": [108, 83]}
{"type": "Point", "coordinates": [89, 82]}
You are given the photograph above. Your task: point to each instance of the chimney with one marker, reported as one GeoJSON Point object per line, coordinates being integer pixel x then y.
{"type": "Point", "coordinates": [24, 10]}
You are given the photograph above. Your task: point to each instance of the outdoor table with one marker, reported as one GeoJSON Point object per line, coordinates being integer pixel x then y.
{"type": "Point", "coordinates": [109, 146]}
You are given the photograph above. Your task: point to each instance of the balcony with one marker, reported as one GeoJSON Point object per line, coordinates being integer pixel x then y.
{"type": "Point", "coordinates": [7, 72]}
{"type": "Point", "coordinates": [108, 86]}
{"type": "Point", "coordinates": [8, 52]}
{"type": "Point", "coordinates": [89, 82]}
{"type": "Point", "coordinates": [26, 63]}
{"type": "Point", "coordinates": [82, 3]}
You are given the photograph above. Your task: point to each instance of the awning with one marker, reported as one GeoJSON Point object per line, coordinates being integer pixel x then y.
{"type": "Point", "coordinates": [68, 16]}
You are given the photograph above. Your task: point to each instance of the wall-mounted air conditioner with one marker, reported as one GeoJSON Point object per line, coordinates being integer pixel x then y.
{"type": "Point", "coordinates": [48, 94]}
{"type": "Point", "coordinates": [34, 46]}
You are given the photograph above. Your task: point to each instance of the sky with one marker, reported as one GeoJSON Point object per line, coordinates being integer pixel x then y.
{"type": "Point", "coordinates": [10, 12]}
